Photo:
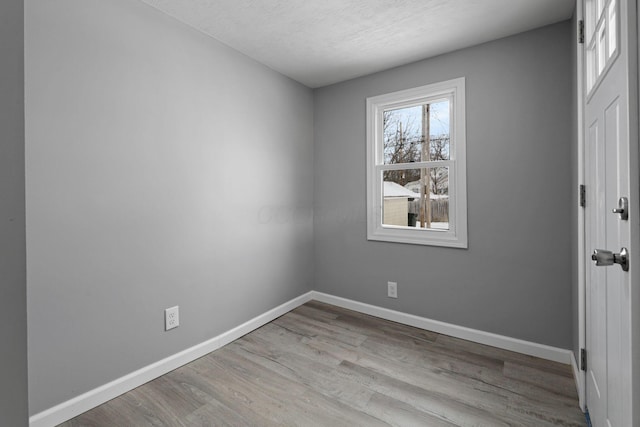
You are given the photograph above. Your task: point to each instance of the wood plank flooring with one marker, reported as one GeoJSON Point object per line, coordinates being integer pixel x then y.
{"type": "Point", "coordinates": [321, 365]}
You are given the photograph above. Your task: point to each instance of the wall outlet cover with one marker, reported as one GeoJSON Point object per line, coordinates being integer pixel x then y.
{"type": "Point", "coordinates": [392, 289]}
{"type": "Point", "coordinates": [171, 318]}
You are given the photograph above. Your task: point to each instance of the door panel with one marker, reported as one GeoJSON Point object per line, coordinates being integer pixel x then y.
{"type": "Point", "coordinates": [607, 175]}
{"type": "Point", "coordinates": [597, 324]}
{"type": "Point", "coordinates": [615, 281]}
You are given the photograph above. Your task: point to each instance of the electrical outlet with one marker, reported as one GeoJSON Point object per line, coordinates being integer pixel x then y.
{"type": "Point", "coordinates": [392, 289]}
{"type": "Point", "coordinates": [171, 318]}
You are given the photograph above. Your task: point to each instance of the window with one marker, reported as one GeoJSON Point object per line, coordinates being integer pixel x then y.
{"type": "Point", "coordinates": [416, 169]}
{"type": "Point", "coordinates": [601, 38]}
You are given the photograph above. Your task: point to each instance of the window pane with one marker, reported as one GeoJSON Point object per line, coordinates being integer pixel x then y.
{"type": "Point", "coordinates": [405, 193]}
{"type": "Point", "coordinates": [405, 130]}
{"type": "Point", "coordinates": [402, 131]}
{"type": "Point", "coordinates": [590, 18]}
{"type": "Point", "coordinates": [599, 8]}
{"type": "Point", "coordinates": [602, 47]}
{"type": "Point", "coordinates": [612, 28]}
{"type": "Point", "coordinates": [440, 130]}
{"type": "Point", "coordinates": [591, 67]}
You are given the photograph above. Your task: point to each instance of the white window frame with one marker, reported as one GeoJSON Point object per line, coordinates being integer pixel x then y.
{"type": "Point", "coordinates": [597, 23]}
{"type": "Point", "coordinates": [456, 236]}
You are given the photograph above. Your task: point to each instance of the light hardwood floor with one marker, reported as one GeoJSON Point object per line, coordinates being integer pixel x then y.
{"type": "Point", "coordinates": [321, 365]}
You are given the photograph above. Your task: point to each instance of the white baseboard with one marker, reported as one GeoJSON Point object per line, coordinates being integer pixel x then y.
{"type": "Point", "coordinates": [76, 406]}
{"type": "Point", "coordinates": [507, 343]}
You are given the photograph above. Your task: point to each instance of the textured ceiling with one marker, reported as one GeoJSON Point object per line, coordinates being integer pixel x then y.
{"type": "Point", "coordinates": [319, 42]}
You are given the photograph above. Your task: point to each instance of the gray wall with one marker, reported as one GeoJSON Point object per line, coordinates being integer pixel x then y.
{"type": "Point", "coordinates": [515, 277]}
{"type": "Point", "coordinates": [163, 169]}
{"type": "Point", "coordinates": [13, 285]}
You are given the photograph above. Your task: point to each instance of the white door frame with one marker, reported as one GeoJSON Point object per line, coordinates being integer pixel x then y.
{"type": "Point", "coordinates": [582, 283]}
{"type": "Point", "coordinates": [634, 149]}
{"type": "Point", "coordinates": [634, 189]}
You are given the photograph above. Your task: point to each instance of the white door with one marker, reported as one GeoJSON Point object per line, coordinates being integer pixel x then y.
{"type": "Point", "coordinates": [611, 173]}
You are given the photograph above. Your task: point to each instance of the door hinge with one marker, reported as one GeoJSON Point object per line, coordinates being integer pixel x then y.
{"type": "Point", "coordinates": [581, 31]}
{"type": "Point", "coordinates": [583, 195]}
{"type": "Point", "coordinates": [583, 359]}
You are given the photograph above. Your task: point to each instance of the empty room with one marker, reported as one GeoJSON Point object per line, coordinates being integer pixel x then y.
{"type": "Point", "coordinates": [319, 213]}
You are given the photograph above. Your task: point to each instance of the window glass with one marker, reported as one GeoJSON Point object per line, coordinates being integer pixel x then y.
{"type": "Point", "coordinates": [405, 193]}
{"type": "Point", "coordinates": [612, 28]}
{"type": "Point", "coordinates": [417, 133]}
{"type": "Point", "coordinates": [601, 38]}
